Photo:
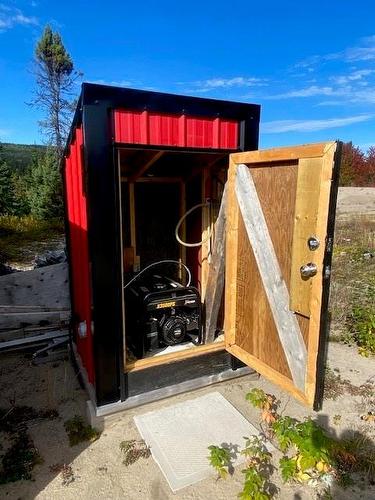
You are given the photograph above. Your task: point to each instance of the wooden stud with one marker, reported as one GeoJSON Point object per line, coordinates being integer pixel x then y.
{"type": "Point", "coordinates": [205, 248]}
{"type": "Point", "coordinates": [317, 283]}
{"type": "Point", "coordinates": [282, 154]}
{"type": "Point", "coordinates": [307, 198]}
{"type": "Point", "coordinates": [231, 255]}
{"type": "Point", "coordinates": [183, 226]}
{"type": "Point", "coordinates": [143, 168]}
{"type": "Point", "coordinates": [155, 180]}
{"type": "Point", "coordinates": [268, 372]}
{"type": "Point", "coordinates": [215, 281]}
{"type": "Point", "coordinates": [141, 364]}
{"type": "Point", "coordinates": [133, 236]}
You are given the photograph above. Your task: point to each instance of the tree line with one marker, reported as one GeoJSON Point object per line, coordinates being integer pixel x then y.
{"type": "Point", "coordinates": [357, 167]}
{"type": "Point", "coordinates": [37, 190]}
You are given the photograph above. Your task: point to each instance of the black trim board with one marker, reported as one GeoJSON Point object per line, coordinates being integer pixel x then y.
{"type": "Point", "coordinates": [327, 262]}
{"type": "Point", "coordinates": [104, 234]}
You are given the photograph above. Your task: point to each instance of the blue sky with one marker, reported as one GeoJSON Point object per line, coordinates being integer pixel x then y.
{"type": "Point", "coordinates": [311, 65]}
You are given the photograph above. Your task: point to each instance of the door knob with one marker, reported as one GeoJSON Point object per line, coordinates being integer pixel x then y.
{"type": "Point", "coordinates": [308, 270]}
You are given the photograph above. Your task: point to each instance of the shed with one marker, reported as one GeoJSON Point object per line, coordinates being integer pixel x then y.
{"type": "Point", "coordinates": [152, 177]}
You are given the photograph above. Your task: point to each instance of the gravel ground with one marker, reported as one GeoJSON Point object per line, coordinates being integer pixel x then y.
{"type": "Point", "coordinates": [97, 467]}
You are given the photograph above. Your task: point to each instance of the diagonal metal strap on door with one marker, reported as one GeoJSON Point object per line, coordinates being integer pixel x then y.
{"type": "Point", "coordinates": [274, 285]}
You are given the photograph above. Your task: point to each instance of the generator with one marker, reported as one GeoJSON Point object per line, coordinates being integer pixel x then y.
{"type": "Point", "coordinates": [161, 312]}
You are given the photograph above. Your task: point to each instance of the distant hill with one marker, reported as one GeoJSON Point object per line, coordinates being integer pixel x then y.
{"type": "Point", "coordinates": [18, 156]}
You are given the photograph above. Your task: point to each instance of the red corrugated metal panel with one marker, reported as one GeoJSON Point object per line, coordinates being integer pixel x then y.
{"type": "Point", "coordinates": [79, 255]}
{"type": "Point", "coordinates": [161, 129]}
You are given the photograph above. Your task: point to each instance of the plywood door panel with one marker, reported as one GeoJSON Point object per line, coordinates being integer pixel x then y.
{"type": "Point", "coordinates": [272, 316]}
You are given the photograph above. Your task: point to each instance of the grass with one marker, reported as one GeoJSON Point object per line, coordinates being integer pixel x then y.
{"type": "Point", "coordinates": [21, 456]}
{"type": "Point", "coordinates": [353, 283]}
{"type": "Point", "coordinates": [78, 431]}
{"type": "Point", "coordinates": [22, 237]}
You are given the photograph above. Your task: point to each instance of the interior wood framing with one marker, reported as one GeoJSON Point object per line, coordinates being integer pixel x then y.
{"type": "Point", "coordinates": [152, 167]}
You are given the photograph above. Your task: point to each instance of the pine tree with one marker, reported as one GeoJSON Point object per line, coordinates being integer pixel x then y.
{"type": "Point", "coordinates": [44, 191]}
{"type": "Point", "coordinates": [54, 95]}
{"type": "Point", "coordinates": [6, 190]}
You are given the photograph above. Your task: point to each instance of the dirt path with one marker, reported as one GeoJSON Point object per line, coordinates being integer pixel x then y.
{"type": "Point", "coordinates": [355, 201]}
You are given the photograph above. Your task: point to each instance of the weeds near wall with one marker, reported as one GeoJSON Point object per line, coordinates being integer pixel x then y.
{"type": "Point", "coordinates": [78, 431]}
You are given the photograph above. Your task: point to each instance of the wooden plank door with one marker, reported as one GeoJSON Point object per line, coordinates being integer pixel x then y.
{"type": "Point", "coordinates": [280, 217]}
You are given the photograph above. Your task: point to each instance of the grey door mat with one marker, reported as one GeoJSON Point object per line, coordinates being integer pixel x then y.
{"type": "Point", "coordinates": [179, 436]}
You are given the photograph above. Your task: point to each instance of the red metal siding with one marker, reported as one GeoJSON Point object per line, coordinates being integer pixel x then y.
{"type": "Point", "coordinates": [79, 255]}
{"type": "Point", "coordinates": [161, 129]}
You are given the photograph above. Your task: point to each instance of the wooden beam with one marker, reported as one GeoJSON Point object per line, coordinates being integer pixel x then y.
{"type": "Point", "coordinates": [231, 257]}
{"type": "Point", "coordinates": [191, 352]}
{"type": "Point", "coordinates": [133, 242]}
{"type": "Point", "coordinates": [325, 182]}
{"type": "Point", "coordinates": [306, 207]}
{"type": "Point", "coordinates": [206, 225]}
{"type": "Point", "coordinates": [274, 285]}
{"type": "Point", "coordinates": [150, 180]}
{"type": "Point", "coordinates": [183, 227]}
{"type": "Point", "coordinates": [143, 168]}
{"type": "Point", "coordinates": [283, 154]}
{"type": "Point", "coordinates": [216, 272]}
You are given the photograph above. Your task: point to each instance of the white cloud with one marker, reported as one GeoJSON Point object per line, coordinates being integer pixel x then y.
{"type": "Point", "coordinates": [355, 76]}
{"type": "Point", "coordinates": [11, 17]}
{"type": "Point", "coordinates": [279, 126]}
{"type": "Point", "coordinates": [364, 51]}
{"type": "Point", "coordinates": [226, 83]}
{"type": "Point", "coordinates": [114, 83]}
{"type": "Point", "coordinates": [311, 91]}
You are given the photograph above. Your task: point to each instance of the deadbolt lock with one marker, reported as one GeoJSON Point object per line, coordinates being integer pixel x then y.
{"type": "Point", "coordinates": [308, 270]}
{"type": "Point", "coordinates": [313, 243]}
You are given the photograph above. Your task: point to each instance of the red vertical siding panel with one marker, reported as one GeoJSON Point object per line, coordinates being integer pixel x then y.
{"type": "Point", "coordinates": [216, 134]}
{"type": "Point", "coordinates": [163, 129]}
{"type": "Point", "coordinates": [79, 255]}
{"type": "Point", "coordinates": [182, 130]}
{"type": "Point", "coordinates": [144, 128]}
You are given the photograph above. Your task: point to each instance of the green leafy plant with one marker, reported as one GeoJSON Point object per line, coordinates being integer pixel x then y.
{"type": "Point", "coordinates": [266, 402]}
{"type": "Point", "coordinates": [134, 450]}
{"type": "Point", "coordinates": [78, 431]}
{"type": "Point", "coordinates": [254, 485]}
{"type": "Point", "coordinates": [219, 458]}
{"type": "Point", "coordinates": [258, 460]}
{"type": "Point", "coordinates": [310, 449]}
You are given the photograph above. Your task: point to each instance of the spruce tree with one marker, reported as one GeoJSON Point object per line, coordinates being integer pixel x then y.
{"type": "Point", "coordinates": [44, 191]}
{"type": "Point", "coordinates": [54, 94]}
